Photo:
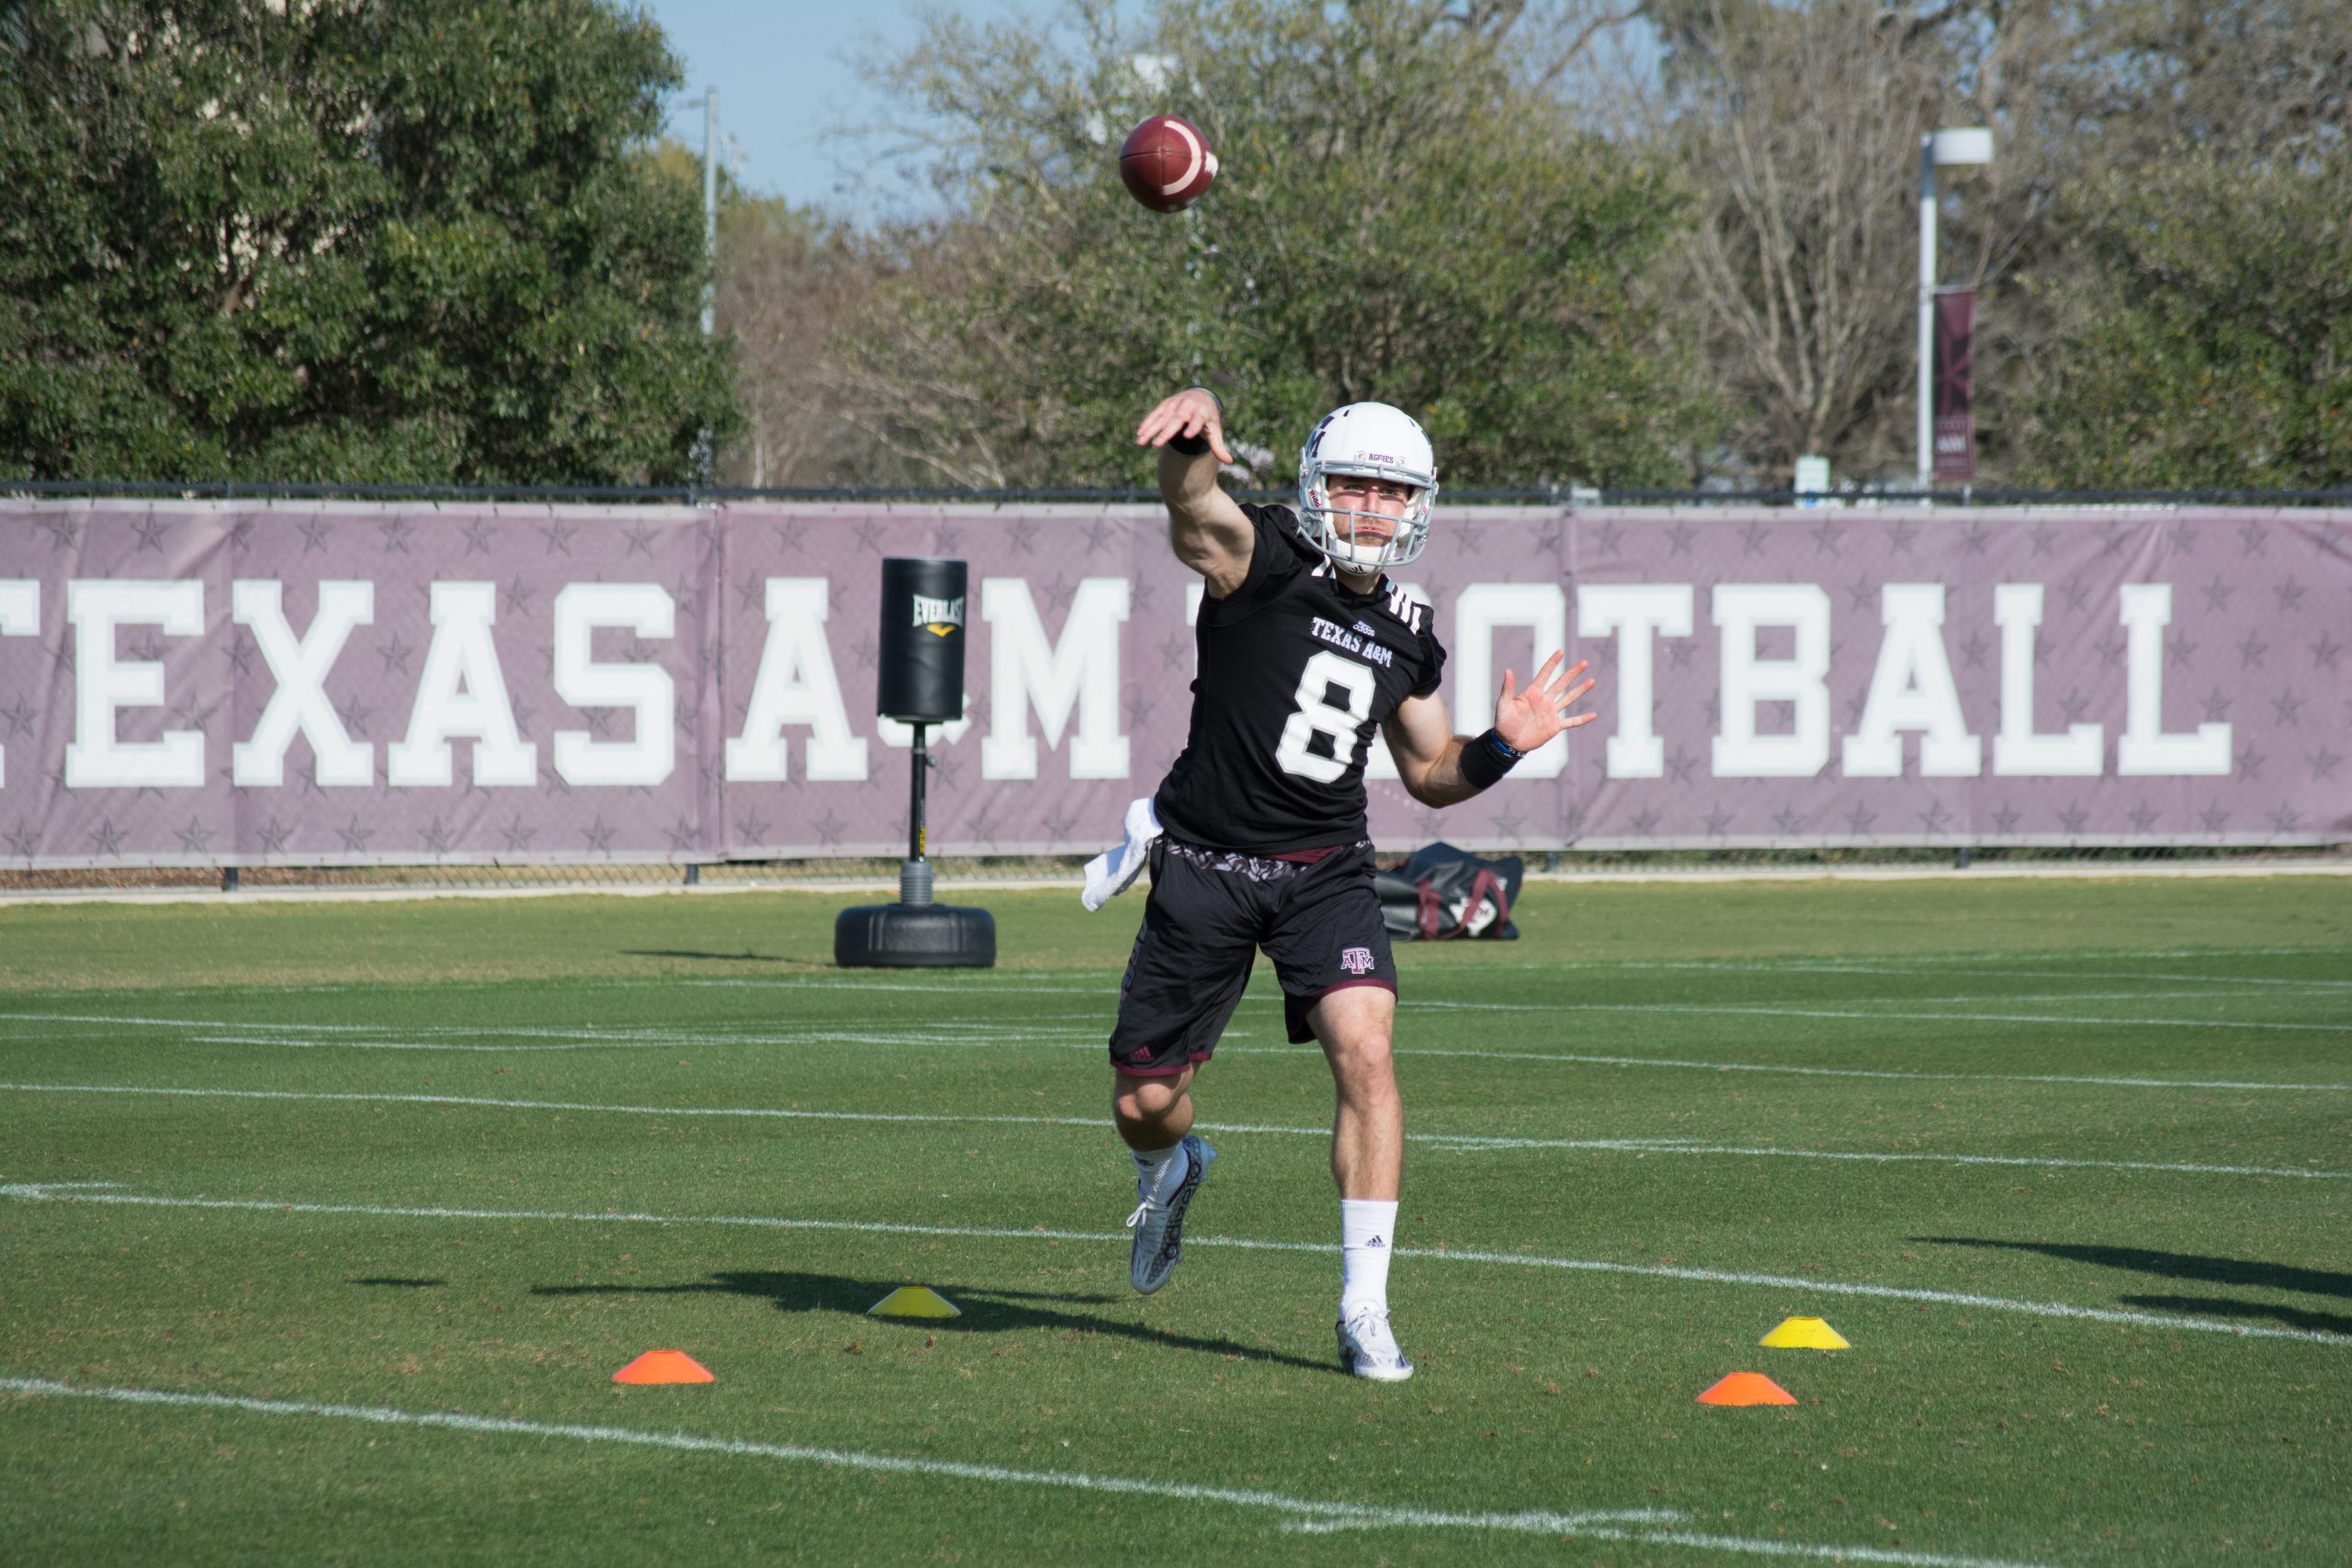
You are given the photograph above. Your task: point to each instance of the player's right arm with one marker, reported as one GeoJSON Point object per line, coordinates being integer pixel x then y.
{"type": "Point", "coordinates": [1206, 529]}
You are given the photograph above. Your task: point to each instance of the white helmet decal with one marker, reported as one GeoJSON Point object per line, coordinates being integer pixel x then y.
{"type": "Point", "coordinates": [1374, 441]}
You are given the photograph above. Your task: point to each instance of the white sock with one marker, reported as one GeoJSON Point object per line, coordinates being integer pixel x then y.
{"type": "Point", "coordinates": [1157, 1170]}
{"type": "Point", "coordinates": [1367, 1233]}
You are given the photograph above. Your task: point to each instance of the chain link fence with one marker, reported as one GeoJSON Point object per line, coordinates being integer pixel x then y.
{"type": "Point", "coordinates": [1065, 871]}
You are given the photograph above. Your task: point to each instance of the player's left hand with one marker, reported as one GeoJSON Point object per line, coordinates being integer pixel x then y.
{"type": "Point", "coordinates": [1527, 720]}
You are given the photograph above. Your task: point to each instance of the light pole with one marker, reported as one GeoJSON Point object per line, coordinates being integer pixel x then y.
{"type": "Point", "coordinates": [710, 207]}
{"type": "Point", "coordinates": [1941, 149]}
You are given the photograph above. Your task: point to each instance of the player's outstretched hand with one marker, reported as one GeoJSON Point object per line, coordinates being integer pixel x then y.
{"type": "Point", "coordinates": [1190, 413]}
{"type": "Point", "coordinates": [1527, 720]}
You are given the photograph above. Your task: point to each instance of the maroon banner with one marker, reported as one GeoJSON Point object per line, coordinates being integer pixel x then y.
{"type": "Point", "coordinates": [1955, 384]}
{"type": "Point", "coordinates": [209, 683]}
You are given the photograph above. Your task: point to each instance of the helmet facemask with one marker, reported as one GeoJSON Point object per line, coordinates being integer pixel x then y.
{"type": "Point", "coordinates": [1332, 528]}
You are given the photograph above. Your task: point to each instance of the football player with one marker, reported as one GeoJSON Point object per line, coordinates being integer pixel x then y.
{"type": "Point", "coordinates": [1305, 649]}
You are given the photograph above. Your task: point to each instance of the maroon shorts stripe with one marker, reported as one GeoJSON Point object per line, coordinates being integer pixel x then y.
{"type": "Point", "coordinates": [1179, 1070]}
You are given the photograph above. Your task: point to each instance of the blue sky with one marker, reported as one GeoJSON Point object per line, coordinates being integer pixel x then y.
{"type": "Point", "coordinates": [785, 76]}
{"type": "Point", "coordinates": [788, 86]}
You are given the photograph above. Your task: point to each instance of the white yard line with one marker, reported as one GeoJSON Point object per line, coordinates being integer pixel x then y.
{"type": "Point", "coordinates": [2302, 984]}
{"type": "Point", "coordinates": [2006, 965]}
{"type": "Point", "coordinates": [1093, 1041]}
{"type": "Point", "coordinates": [1410, 1003]}
{"type": "Point", "coordinates": [1107, 986]}
{"type": "Point", "coordinates": [1891, 1010]}
{"type": "Point", "coordinates": [1647, 1525]}
{"type": "Point", "coordinates": [566, 1031]}
{"type": "Point", "coordinates": [100, 1192]}
{"type": "Point", "coordinates": [1405, 1052]}
{"type": "Point", "coordinates": [1408, 1051]}
{"type": "Point", "coordinates": [1097, 1123]}
{"type": "Point", "coordinates": [1740, 1010]}
{"type": "Point", "coordinates": [1097, 982]}
{"type": "Point", "coordinates": [1472, 1145]}
{"type": "Point", "coordinates": [1007, 1028]}
{"type": "Point", "coordinates": [1460, 1142]}
{"type": "Point", "coordinates": [344, 1036]}
{"type": "Point", "coordinates": [1960, 965]}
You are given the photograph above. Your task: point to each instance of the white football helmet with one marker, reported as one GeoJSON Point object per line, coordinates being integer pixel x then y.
{"type": "Point", "coordinates": [1375, 441]}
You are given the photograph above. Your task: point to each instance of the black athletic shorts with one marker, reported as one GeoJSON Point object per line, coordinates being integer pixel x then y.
{"type": "Point", "coordinates": [1209, 912]}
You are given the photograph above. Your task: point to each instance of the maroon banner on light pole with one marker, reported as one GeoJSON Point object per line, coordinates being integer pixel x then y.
{"type": "Point", "coordinates": [1955, 384]}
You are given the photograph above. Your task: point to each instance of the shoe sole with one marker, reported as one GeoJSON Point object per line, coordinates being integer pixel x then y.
{"type": "Point", "coordinates": [1354, 1366]}
{"type": "Point", "coordinates": [1198, 1157]}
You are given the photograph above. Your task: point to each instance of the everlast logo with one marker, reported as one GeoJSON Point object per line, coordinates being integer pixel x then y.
{"type": "Point", "coordinates": [940, 616]}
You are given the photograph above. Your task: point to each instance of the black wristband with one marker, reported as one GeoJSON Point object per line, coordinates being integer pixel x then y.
{"type": "Point", "coordinates": [1485, 758]}
{"type": "Point", "coordinates": [1190, 445]}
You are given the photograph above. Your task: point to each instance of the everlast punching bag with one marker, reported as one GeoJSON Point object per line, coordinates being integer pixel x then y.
{"type": "Point", "coordinates": [921, 681]}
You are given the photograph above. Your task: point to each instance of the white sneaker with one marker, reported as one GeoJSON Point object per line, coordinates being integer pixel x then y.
{"type": "Point", "coordinates": [1158, 1223]}
{"type": "Point", "coordinates": [1368, 1350]}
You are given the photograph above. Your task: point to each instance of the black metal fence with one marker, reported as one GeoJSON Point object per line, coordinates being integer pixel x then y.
{"type": "Point", "coordinates": [1551, 495]}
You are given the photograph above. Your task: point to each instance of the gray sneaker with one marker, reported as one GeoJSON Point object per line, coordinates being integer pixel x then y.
{"type": "Point", "coordinates": [1367, 1350]}
{"type": "Point", "coordinates": [1158, 1223]}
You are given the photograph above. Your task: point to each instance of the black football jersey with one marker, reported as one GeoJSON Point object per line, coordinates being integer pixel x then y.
{"type": "Point", "coordinates": [1296, 673]}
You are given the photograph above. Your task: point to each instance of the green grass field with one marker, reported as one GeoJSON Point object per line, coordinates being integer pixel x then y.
{"type": "Point", "coordinates": [324, 1227]}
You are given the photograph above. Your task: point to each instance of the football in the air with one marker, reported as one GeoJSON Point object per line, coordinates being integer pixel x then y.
{"type": "Point", "coordinates": [1166, 162]}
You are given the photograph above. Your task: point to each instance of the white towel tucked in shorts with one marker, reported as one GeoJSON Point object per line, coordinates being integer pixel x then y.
{"type": "Point", "coordinates": [1114, 871]}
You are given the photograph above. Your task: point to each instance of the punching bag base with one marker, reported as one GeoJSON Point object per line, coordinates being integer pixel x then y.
{"type": "Point", "coordinates": [914, 936]}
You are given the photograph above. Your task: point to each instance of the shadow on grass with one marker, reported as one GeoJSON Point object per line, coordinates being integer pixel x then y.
{"type": "Point", "coordinates": [2222, 1306]}
{"type": "Point", "coordinates": [986, 1310]}
{"type": "Point", "coordinates": [395, 1283]}
{"type": "Point", "coordinates": [2174, 1265]}
{"type": "Point", "coordinates": [689, 953]}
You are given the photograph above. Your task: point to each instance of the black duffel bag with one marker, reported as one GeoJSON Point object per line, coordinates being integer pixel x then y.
{"type": "Point", "coordinates": [1441, 892]}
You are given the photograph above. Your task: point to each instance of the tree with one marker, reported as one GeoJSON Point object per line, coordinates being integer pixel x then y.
{"type": "Point", "coordinates": [839, 379]}
{"type": "Point", "coordinates": [1403, 214]}
{"type": "Point", "coordinates": [352, 241]}
{"type": "Point", "coordinates": [2187, 298]}
{"type": "Point", "coordinates": [2212, 336]}
{"type": "Point", "coordinates": [1801, 129]}
{"type": "Point", "coordinates": [1798, 127]}
{"type": "Point", "coordinates": [2131, 79]}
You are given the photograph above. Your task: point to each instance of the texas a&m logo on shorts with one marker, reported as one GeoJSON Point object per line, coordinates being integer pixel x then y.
{"type": "Point", "coordinates": [1356, 960]}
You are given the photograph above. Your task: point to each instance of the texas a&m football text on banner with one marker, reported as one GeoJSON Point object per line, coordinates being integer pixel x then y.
{"type": "Point", "coordinates": [213, 683]}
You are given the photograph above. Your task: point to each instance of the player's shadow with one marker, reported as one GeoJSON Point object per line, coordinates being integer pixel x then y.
{"type": "Point", "coordinates": [2204, 1270]}
{"type": "Point", "coordinates": [986, 1310]}
{"type": "Point", "coordinates": [2222, 1306]}
{"type": "Point", "coordinates": [745, 957]}
{"type": "Point", "coordinates": [390, 1282]}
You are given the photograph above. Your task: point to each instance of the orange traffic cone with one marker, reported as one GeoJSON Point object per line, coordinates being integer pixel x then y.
{"type": "Point", "coordinates": [1747, 1388]}
{"type": "Point", "coordinates": [664, 1366]}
